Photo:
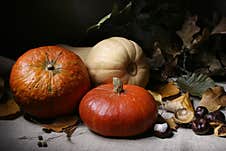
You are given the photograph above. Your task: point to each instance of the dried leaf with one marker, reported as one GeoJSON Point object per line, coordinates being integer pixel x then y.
{"type": "Point", "coordinates": [157, 96]}
{"type": "Point", "coordinates": [182, 102]}
{"type": "Point", "coordinates": [221, 27]}
{"type": "Point", "coordinates": [195, 84]}
{"type": "Point", "coordinates": [70, 130]}
{"type": "Point", "coordinates": [62, 123]}
{"type": "Point", "coordinates": [213, 98]}
{"type": "Point", "coordinates": [189, 28]}
{"type": "Point", "coordinates": [9, 109]}
{"type": "Point", "coordinates": [167, 90]}
{"type": "Point", "coordinates": [115, 13]}
{"type": "Point", "coordinates": [2, 83]}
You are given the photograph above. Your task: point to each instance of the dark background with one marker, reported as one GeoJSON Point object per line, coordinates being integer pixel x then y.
{"type": "Point", "coordinates": [31, 23]}
{"type": "Point", "coordinates": [27, 24]}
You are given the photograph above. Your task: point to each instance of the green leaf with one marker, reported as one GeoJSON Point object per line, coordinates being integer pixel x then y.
{"type": "Point", "coordinates": [116, 14]}
{"type": "Point", "coordinates": [98, 25]}
{"type": "Point", "coordinates": [195, 83]}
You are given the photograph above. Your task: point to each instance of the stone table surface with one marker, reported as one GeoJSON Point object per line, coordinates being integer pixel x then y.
{"type": "Point", "coordinates": [12, 133]}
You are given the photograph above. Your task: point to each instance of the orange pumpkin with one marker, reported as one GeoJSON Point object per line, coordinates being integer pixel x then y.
{"type": "Point", "coordinates": [118, 111]}
{"type": "Point", "coordinates": [49, 81]}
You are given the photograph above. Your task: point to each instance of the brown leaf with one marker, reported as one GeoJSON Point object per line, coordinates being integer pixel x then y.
{"type": "Point", "coordinates": [9, 109]}
{"type": "Point", "coordinates": [189, 28]}
{"type": "Point", "coordinates": [61, 124]}
{"type": "Point", "coordinates": [221, 27]}
{"type": "Point", "coordinates": [213, 98]}
{"type": "Point", "coordinates": [70, 130]}
{"type": "Point", "coordinates": [167, 90]}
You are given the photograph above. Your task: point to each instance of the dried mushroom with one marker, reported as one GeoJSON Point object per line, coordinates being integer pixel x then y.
{"type": "Point", "coordinates": [213, 98]}
{"type": "Point", "coordinates": [220, 130]}
{"type": "Point", "coordinates": [179, 103]}
{"type": "Point", "coordinates": [183, 116]}
{"type": "Point", "coordinates": [167, 90]}
{"type": "Point", "coordinates": [172, 124]}
{"type": "Point", "coordinates": [157, 96]}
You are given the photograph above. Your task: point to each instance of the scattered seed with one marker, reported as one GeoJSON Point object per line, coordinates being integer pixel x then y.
{"type": "Point", "coordinates": [40, 137]}
{"type": "Point", "coordinates": [39, 144]}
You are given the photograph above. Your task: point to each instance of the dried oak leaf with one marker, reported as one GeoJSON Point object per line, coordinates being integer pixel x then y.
{"type": "Point", "coordinates": [189, 28]}
{"type": "Point", "coordinates": [221, 27]}
{"type": "Point", "coordinates": [63, 124]}
{"type": "Point", "coordinates": [213, 98]}
{"type": "Point", "coordinates": [167, 90]}
{"type": "Point", "coordinates": [9, 109]}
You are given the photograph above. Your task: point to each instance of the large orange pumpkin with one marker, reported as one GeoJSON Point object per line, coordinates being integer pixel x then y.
{"type": "Point", "coordinates": [111, 110]}
{"type": "Point", "coordinates": [49, 81]}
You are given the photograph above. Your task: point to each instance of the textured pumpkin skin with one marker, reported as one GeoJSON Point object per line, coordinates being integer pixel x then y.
{"type": "Point", "coordinates": [105, 112]}
{"type": "Point", "coordinates": [49, 93]}
{"type": "Point", "coordinates": [118, 57]}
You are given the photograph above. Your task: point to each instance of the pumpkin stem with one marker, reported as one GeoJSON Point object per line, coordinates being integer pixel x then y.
{"type": "Point", "coordinates": [50, 67]}
{"type": "Point", "coordinates": [118, 85]}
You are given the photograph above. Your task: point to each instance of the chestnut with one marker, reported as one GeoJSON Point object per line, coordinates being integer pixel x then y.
{"type": "Point", "coordinates": [162, 130]}
{"type": "Point", "coordinates": [201, 111]}
{"type": "Point", "coordinates": [215, 116]}
{"type": "Point", "coordinates": [201, 127]}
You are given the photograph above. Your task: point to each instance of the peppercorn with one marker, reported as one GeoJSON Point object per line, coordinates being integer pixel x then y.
{"type": "Point", "coordinates": [44, 144]}
{"type": "Point", "coordinates": [39, 144]}
{"type": "Point", "coordinates": [40, 137]}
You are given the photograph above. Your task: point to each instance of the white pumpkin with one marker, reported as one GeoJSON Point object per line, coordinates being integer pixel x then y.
{"type": "Point", "coordinates": [118, 57]}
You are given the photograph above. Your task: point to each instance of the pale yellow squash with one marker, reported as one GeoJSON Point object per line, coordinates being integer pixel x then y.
{"type": "Point", "coordinates": [118, 57]}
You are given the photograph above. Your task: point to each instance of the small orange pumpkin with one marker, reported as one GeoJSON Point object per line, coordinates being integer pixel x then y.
{"type": "Point", "coordinates": [49, 81]}
{"type": "Point", "coordinates": [118, 111]}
